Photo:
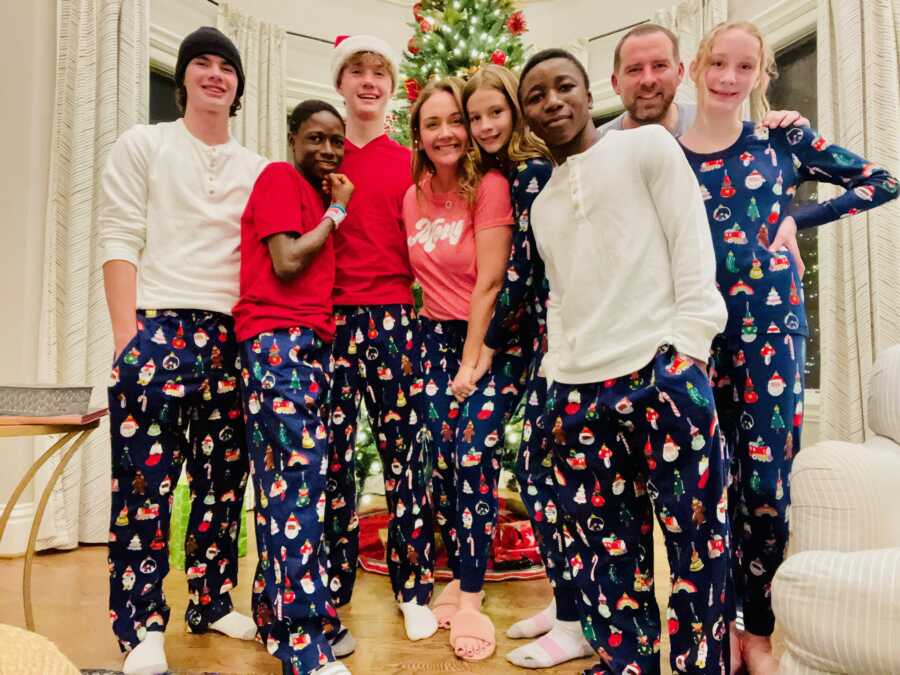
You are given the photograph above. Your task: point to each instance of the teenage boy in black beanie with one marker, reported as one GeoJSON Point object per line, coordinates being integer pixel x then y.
{"type": "Point", "coordinates": [173, 195]}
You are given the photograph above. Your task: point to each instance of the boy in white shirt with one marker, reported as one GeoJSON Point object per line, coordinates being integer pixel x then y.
{"type": "Point", "coordinates": [169, 227]}
{"type": "Point", "coordinates": [633, 308]}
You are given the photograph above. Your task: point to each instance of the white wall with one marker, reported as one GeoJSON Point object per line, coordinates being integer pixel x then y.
{"type": "Point", "coordinates": [25, 128]}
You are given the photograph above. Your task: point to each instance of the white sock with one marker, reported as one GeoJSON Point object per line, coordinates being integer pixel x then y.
{"type": "Point", "coordinates": [535, 625]}
{"type": "Point", "coordinates": [345, 645]}
{"type": "Point", "coordinates": [149, 657]}
{"type": "Point", "coordinates": [332, 668]}
{"type": "Point", "coordinates": [418, 620]}
{"type": "Point", "coordinates": [236, 626]}
{"type": "Point", "coordinates": [564, 642]}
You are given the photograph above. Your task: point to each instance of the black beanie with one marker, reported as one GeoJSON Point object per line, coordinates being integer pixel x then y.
{"type": "Point", "coordinates": [208, 40]}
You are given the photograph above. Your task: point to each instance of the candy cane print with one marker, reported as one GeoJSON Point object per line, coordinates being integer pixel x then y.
{"type": "Point", "coordinates": [789, 341]}
{"type": "Point", "coordinates": [665, 398]}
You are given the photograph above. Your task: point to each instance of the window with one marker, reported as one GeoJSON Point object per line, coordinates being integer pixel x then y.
{"type": "Point", "coordinates": [162, 97]}
{"type": "Point", "coordinates": [795, 89]}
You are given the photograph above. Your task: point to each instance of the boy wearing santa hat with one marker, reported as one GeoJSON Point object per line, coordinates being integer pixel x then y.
{"type": "Point", "coordinates": [375, 346]}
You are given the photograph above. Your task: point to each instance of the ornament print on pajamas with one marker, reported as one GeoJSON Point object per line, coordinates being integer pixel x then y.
{"type": "Point", "coordinates": [286, 378]}
{"type": "Point", "coordinates": [464, 440]}
{"type": "Point", "coordinates": [622, 449]}
{"type": "Point", "coordinates": [174, 397]}
{"type": "Point", "coordinates": [520, 317]}
{"type": "Point", "coordinates": [758, 362]}
{"type": "Point", "coordinates": [375, 352]}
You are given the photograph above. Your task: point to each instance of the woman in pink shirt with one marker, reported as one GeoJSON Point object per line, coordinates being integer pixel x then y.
{"type": "Point", "coordinates": [459, 232]}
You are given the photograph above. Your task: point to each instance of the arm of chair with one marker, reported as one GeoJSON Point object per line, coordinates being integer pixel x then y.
{"type": "Point", "coordinates": [840, 612]}
{"type": "Point", "coordinates": [844, 498]}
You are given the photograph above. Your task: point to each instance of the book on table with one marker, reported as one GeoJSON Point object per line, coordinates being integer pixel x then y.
{"type": "Point", "coordinates": [78, 420]}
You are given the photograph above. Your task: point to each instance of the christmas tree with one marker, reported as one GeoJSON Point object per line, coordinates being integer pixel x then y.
{"type": "Point", "coordinates": [454, 37]}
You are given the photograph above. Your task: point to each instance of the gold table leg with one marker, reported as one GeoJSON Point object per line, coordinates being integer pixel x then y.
{"type": "Point", "coordinates": [39, 514]}
{"type": "Point", "coordinates": [20, 488]}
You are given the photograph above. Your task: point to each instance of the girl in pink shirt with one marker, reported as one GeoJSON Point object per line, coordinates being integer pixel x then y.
{"type": "Point", "coordinates": [459, 232]}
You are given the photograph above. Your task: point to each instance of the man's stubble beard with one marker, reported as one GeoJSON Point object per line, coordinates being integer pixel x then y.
{"type": "Point", "coordinates": [656, 118]}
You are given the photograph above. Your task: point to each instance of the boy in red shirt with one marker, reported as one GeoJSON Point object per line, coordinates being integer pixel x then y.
{"type": "Point", "coordinates": [285, 325]}
{"type": "Point", "coordinates": [375, 345]}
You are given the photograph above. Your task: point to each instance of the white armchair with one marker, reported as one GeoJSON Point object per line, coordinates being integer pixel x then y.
{"type": "Point", "coordinates": [837, 596]}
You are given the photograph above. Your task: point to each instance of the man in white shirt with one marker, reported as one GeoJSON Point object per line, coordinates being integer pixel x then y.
{"type": "Point", "coordinates": [633, 309]}
{"type": "Point", "coordinates": [173, 195]}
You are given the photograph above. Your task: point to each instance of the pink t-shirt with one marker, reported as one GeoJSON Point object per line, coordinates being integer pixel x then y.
{"type": "Point", "coordinates": [440, 233]}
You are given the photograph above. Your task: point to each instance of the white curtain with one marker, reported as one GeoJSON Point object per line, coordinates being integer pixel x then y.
{"type": "Point", "coordinates": [102, 85]}
{"type": "Point", "coordinates": [261, 124]}
{"type": "Point", "coordinates": [690, 20]}
{"type": "Point", "coordinates": [859, 257]}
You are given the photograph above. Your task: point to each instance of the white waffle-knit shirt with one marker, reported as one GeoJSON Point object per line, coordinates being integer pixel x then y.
{"type": "Point", "coordinates": [171, 205]}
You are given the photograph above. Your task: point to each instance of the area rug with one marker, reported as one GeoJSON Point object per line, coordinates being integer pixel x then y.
{"type": "Point", "coordinates": [514, 553]}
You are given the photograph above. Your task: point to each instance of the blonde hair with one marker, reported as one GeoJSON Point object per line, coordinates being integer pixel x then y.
{"type": "Point", "coordinates": [469, 176]}
{"type": "Point", "coordinates": [523, 143]}
{"type": "Point", "coordinates": [759, 102]}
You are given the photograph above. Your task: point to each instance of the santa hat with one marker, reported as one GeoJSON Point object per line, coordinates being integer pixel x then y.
{"type": "Point", "coordinates": [346, 46]}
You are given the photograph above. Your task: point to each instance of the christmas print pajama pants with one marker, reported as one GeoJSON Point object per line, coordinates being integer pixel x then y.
{"type": "Point", "coordinates": [464, 439]}
{"type": "Point", "coordinates": [174, 397]}
{"type": "Point", "coordinates": [286, 378]}
{"type": "Point", "coordinates": [759, 395]}
{"type": "Point", "coordinates": [624, 448]}
{"type": "Point", "coordinates": [375, 352]}
{"type": "Point", "coordinates": [537, 487]}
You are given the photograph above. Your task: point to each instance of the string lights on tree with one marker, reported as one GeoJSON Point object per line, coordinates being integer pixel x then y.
{"type": "Point", "coordinates": [454, 37]}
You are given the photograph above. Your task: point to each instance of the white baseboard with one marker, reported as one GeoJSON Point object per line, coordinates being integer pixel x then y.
{"type": "Point", "coordinates": [15, 538]}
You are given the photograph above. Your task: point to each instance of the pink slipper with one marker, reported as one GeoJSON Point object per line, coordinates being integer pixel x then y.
{"type": "Point", "coordinates": [468, 623]}
{"type": "Point", "coordinates": [446, 604]}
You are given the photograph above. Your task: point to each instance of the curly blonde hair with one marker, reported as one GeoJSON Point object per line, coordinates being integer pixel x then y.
{"type": "Point", "coordinates": [759, 102]}
{"type": "Point", "coordinates": [469, 175]}
{"type": "Point", "coordinates": [523, 144]}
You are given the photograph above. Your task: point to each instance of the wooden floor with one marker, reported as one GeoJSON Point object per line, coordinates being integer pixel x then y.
{"type": "Point", "coordinates": [70, 608]}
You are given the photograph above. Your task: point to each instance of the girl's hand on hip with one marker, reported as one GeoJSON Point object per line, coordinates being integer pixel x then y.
{"type": "Point", "coordinates": [786, 237]}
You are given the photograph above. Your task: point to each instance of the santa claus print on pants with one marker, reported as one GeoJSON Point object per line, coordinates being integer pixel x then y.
{"type": "Point", "coordinates": [286, 378]}
{"type": "Point", "coordinates": [174, 399]}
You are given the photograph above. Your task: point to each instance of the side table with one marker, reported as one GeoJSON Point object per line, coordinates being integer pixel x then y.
{"type": "Point", "coordinates": [74, 437]}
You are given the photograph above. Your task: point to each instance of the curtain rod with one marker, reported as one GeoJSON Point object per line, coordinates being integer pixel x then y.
{"type": "Point", "coordinates": [290, 32]}
{"type": "Point", "coordinates": [612, 32]}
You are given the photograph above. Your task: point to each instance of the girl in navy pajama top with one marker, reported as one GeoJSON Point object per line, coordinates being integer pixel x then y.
{"type": "Point", "coordinates": [519, 323]}
{"type": "Point", "coordinates": [748, 185]}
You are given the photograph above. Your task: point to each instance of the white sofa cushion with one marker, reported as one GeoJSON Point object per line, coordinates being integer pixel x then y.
{"type": "Point", "coordinates": [840, 612]}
